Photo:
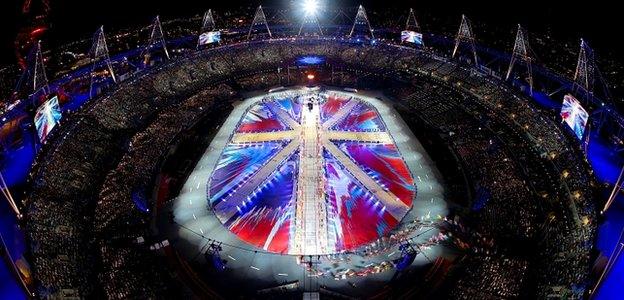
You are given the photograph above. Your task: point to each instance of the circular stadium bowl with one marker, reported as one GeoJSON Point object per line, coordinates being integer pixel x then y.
{"type": "Point", "coordinates": [226, 172]}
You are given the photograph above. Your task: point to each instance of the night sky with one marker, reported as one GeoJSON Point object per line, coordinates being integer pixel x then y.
{"type": "Point", "coordinates": [598, 21]}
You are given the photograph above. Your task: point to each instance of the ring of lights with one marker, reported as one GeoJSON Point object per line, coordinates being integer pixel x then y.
{"type": "Point", "coordinates": [172, 84]}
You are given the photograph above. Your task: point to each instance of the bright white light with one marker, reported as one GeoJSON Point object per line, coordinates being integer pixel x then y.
{"type": "Point", "coordinates": [310, 7]}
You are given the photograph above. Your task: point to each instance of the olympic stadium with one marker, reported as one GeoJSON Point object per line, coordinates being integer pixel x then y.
{"type": "Point", "coordinates": [308, 152]}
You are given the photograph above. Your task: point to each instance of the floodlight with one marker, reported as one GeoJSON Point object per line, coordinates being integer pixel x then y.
{"type": "Point", "coordinates": [310, 7]}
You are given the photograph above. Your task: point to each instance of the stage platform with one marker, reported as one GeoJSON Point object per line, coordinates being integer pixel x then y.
{"type": "Point", "coordinates": [327, 148]}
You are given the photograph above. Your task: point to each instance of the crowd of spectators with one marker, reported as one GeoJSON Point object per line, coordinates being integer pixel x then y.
{"type": "Point", "coordinates": [74, 220]}
{"type": "Point", "coordinates": [490, 277]}
{"type": "Point", "coordinates": [483, 157]}
{"type": "Point", "coordinates": [122, 211]}
{"type": "Point", "coordinates": [85, 211]}
{"type": "Point", "coordinates": [519, 155]}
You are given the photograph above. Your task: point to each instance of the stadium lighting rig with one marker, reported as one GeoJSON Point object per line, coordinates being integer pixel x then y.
{"type": "Point", "coordinates": [4, 189]}
{"type": "Point", "coordinates": [310, 10]}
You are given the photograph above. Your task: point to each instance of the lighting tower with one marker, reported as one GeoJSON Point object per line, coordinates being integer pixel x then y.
{"type": "Point", "coordinates": [310, 16]}
{"type": "Point", "coordinates": [361, 21]}
{"type": "Point", "coordinates": [465, 36]}
{"type": "Point", "coordinates": [99, 52]}
{"type": "Point", "coordinates": [521, 52]}
{"type": "Point", "coordinates": [259, 20]}
{"type": "Point", "coordinates": [156, 37]}
{"type": "Point", "coordinates": [4, 188]}
{"type": "Point", "coordinates": [584, 76]}
{"type": "Point", "coordinates": [589, 81]}
{"type": "Point", "coordinates": [617, 189]}
{"type": "Point", "coordinates": [587, 78]}
{"type": "Point", "coordinates": [208, 23]}
{"type": "Point", "coordinates": [411, 23]}
{"type": "Point", "coordinates": [33, 78]}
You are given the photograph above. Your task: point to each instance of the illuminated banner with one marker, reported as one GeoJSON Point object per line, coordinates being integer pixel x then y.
{"type": "Point", "coordinates": [210, 37]}
{"type": "Point", "coordinates": [308, 60]}
{"type": "Point", "coordinates": [411, 37]}
{"type": "Point", "coordinates": [574, 115]}
{"type": "Point", "coordinates": [47, 116]}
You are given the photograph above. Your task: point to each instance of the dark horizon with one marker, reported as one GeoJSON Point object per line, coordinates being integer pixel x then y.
{"type": "Point", "coordinates": [73, 20]}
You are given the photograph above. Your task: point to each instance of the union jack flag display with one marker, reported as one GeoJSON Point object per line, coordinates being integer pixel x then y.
{"type": "Point", "coordinates": [46, 117]}
{"type": "Point", "coordinates": [574, 115]}
{"type": "Point", "coordinates": [311, 174]}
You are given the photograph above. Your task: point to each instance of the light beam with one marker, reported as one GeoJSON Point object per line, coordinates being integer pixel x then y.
{"type": "Point", "coordinates": [310, 7]}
